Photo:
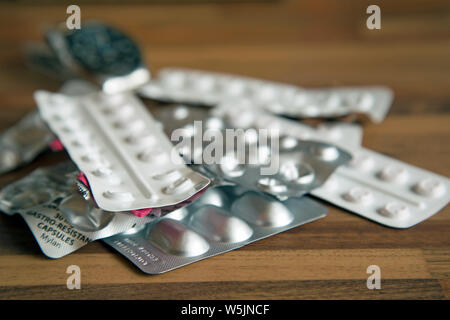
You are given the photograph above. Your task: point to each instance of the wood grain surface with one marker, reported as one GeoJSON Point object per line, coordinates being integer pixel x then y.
{"type": "Point", "coordinates": [313, 44]}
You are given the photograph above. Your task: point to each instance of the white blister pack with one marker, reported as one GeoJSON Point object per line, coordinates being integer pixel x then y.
{"type": "Point", "coordinates": [386, 190]}
{"type": "Point", "coordinates": [372, 185]}
{"type": "Point", "coordinates": [127, 159]}
{"type": "Point", "coordinates": [243, 115]}
{"type": "Point", "coordinates": [209, 88]}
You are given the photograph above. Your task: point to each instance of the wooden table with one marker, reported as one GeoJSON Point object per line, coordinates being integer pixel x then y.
{"type": "Point", "coordinates": [317, 44]}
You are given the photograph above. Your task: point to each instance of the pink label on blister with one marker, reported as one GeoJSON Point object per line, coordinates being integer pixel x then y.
{"type": "Point", "coordinates": [56, 145]}
{"type": "Point", "coordinates": [138, 213]}
{"type": "Point", "coordinates": [141, 212]}
{"type": "Point", "coordinates": [83, 179]}
{"type": "Point", "coordinates": [155, 211]}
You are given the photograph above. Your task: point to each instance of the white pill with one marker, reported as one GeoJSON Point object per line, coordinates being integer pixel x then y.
{"type": "Point", "coordinates": [395, 210]}
{"type": "Point", "coordinates": [365, 102]}
{"type": "Point", "coordinates": [311, 110]}
{"type": "Point", "coordinates": [102, 172]}
{"type": "Point", "coordinates": [214, 123]}
{"type": "Point", "coordinates": [107, 174]}
{"type": "Point", "coordinates": [288, 142]}
{"type": "Point", "coordinates": [118, 195]}
{"type": "Point", "coordinates": [358, 195]}
{"type": "Point", "coordinates": [233, 87]}
{"type": "Point", "coordinates": [173, 79]}
{"type": "Point", "coordinates": [181, 185]}
{"type": "Point", "coordinates": [393, 173]}
{"type": "Point", "coordinates": [327, 153]}
{"type": "Point", "coordinates": [146, 139]}
{"type": "Point", "coordinates": [152, 156]}
{"type": "Point", "coordinates": [169, 175]}
{"type": "Point", "coordinates": [333, 101]}
{"type": "Point", "coordinates": [361, 161]}
{"type": "Point", "coordinates": [244, 120]}
{"type": "Point", "coordinates": [271, 185]}
{"type": "Point", "coordinates": [202, 82]}
{"type": "Point", "coordinates": [430, 187]}
{"type": "Point", "coordinates": [180, 113]}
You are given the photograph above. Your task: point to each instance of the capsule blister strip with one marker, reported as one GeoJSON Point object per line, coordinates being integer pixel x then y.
{"type": "Point", "coordinates": [209, 88]}
{"type": "Point", "coordinates": [244, 115]}
{"type": "Point", "coordinates": [385, 190]}
{"type": "Point", "coordinates": [126, 157]}
{"type": "Point", "coordinates": [59, 218]}
{"type": "Point", "coordinates": [219, 221]}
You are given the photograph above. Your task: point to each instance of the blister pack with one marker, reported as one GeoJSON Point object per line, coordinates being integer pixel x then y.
{"type": "Point", "coordinates": [298, 168]}
{"type": "Point", "coordinates": [21, 143]}
{"type": "Point", "coordinates": [99, 52]}
{"type": "Point", "coordinates": [372, 185]}
{"type": "Point", "coordinates": [245, 115]}
{"type": "Point", "coordinates": [281, 166]}
{"type": "Point", "coordinates": [219, 221]}
{"type": "Point", "coordinates": [385, 190]}
{"type": "Point", "coordinates": [125, 155]}
{"type": "Point", "coordinates": [178, 116]}
{"type": "Point", "coordinates": [209, 88]}
{"type": "Point", "coordinates": [261, 161]}
{"type": "Point", "coordinates": [61, 220]}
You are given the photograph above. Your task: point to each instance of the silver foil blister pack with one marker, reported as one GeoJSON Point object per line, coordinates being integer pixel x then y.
{"type": "Point", "coordinates": [221, 220]}
{"type": "Point", "coordinates": [282, 166]}
{"type": "Point", "coordinates": [123, 152]}
{"type": "Point", "coordinates": [375, 186]}
{"type": "Point", "coordinates": [209, 88]}
{"type": "Point", "coordinates": [245, 115]}
{"type": "Point", "coordinates": [21, 143]}
{"type": "Point", "coordinates": [61, 220]}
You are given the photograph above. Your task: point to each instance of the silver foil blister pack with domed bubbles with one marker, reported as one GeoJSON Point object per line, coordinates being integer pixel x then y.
{"type": "Point", "coordinates": [375, 186]}
{"type": "Point", "coordinates": [223, 219]}
{"type": "Point", "coordinates": [283, 166]}
{"type": "Point", "coordinates": [60, 218]}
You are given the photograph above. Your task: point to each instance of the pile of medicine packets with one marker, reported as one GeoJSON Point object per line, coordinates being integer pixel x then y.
{"type": "Point", "coordinates": [216, 161]}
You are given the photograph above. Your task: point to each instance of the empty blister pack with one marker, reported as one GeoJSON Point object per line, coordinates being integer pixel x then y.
{"type": "Point", "coordinates": [21, 143]}
{"type": "Point", "coordinates": [178, 116]}
{"type": "Point", "coordinates": [217, 222]}
{"type": "Point", "coordinates": [245, 115]}
{"type": "Point", "coordinates": [295, 169]}
{"type": "Point", "coordinates": [40, 186]}
{"type": "Point", "coordinates": [385, 190]}
{"type": "Point", "coordinates": [209, 88]}
{"type": "Point", "coordinates": [61, 220]}
{"type": "Point", "coordinates": [126, 157]}
{"type": "Point", "coordinates": [260, 161]}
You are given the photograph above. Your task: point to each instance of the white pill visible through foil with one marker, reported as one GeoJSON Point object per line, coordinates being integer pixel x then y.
{"type": "Point", "coordinates": [361, 161]}
{"type": "Point", "coordinates": [118, 195]}
{"type": "Point", "coordinates": [358, 195]}
{"type": "Point", "coordinates": [327, 153]}
{"type": "Point", "coordinates": [430, 187]}
{"type": "Point", "coordinates": [394, 210]}
{"type": "Point", "coordinates": [393, 173]}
